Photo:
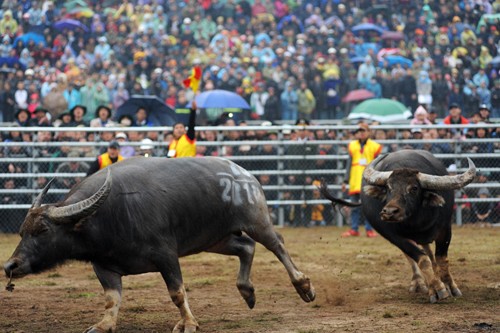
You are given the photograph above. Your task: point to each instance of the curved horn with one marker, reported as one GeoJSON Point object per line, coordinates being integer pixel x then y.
{"type": "Point", "coordinates": [432, 182]}
{"type": "Point", "coordinates": [82, 208]}
{"type": "Point", "coordinates": [39, 198]}
{"type": "Point", "coordinates": [374, 177]}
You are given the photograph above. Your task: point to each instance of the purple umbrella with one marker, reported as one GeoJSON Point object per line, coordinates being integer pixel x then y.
{"type": "Point", "coordinates": [70, 24]}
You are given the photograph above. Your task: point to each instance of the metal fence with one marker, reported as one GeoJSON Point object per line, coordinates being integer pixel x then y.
{"type": "Point", "coordinates": [287, 168]}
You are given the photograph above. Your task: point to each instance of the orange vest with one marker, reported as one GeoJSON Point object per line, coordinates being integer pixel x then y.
{"type": "Point", "coordinates": [104, 160]}
{"type": "Point", "coordinates": [184, 147]}
{"type": "Point", "coordinates": [360, 158]}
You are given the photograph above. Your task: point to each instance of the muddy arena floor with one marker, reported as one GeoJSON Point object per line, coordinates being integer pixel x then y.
{"type": "Point", "coordinates": [361, 286]}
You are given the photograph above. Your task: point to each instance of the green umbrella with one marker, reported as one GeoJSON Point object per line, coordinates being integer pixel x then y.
{"type": "Point", "coordinates": [70, 5]}
{"type": "Point", "coordinates": [383, 110]}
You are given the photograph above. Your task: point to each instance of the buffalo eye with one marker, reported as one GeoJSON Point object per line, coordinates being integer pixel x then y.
{"type": "Point", "coordinates": [413, 189]}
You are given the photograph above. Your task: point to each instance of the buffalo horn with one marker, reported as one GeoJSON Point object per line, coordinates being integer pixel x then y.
{"type": "Point", "coordinates": [374, 177]}
{"type": "Point", "coordinates": [82, 208]}
{"type": "Point", "coordinates": [432, 182]}
{"type": "Point", "coordinates": [39, 198]}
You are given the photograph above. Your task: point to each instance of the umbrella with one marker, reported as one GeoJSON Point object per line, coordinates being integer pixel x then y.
{"type": "Point", "coordinates": [11, 62]}
{"type": "Point", "coordinates": [359, 59]}
{"type": "Point", "coordinates": [262, 36]}
{"type": "Point", "coordinates": [70, 24]}
{"type": "Point", "coordinates": [287, 19]}
{"type": "Point", "coordinates": [367, 27]}
{"type": "Point", "coordinates": [383, 110]}
{"type": "Point", "coordinates": [396, 59]}
{"type": "Point", "coordinates": [495, 62]}
{"type": "Point", "coordinates": [159, 113]}
{"type": "Point", "coordinates": [37, 38]}
{"type": "Point", "coordinates": [357, 95]}
{"type": "Point", "coordinates": [221, 99]}
{"type": "Point", "coordinates": [82, 12]}
{"type": "Point", "coordinates": [392, 35]}
{"type": "Point", "coordinates": [74, 3]}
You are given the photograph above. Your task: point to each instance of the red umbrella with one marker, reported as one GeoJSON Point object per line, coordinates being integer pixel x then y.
{"type": "Point", "coordinates": [357, 95]}
{"type": "Point", "coordinates": [392, 35]}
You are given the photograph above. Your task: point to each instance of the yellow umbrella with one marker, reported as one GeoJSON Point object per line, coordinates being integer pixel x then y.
{"type": "Point", "coordinates": [459, 50]}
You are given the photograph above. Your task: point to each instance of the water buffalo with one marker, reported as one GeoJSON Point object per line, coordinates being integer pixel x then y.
{"type": "Point", "coordinates": [408, 198]}
{"type": "Point", "coordinates": [141, 215]}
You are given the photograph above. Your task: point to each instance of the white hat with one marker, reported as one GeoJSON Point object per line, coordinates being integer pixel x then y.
{"type": "Point", "coordinates": [146, 144]}
{"type": "Point", "coordinates": [187, 20]}
{"type": "Point", "coordinates": [29, 71]}
{"type": "Point", "coordinates": [102, 39]}
{"type": "Point", "coordinates": [121, 135]}
{"type": "Point", "coordinates": [452, 168]}
{"type": "Point", "coordinates": [331, 50]}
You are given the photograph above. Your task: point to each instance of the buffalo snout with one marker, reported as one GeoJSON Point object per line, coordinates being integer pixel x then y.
{"type": "Point", "coordinates": [391, 213]}
{"type": "Point", "coordinates": [9, 267]}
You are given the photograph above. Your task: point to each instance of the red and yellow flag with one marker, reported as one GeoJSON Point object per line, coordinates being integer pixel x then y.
{"type": "Point", "coordinates": [193, 81]}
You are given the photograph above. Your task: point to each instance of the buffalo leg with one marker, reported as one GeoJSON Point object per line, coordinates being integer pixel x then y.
{"type": "Point", "coordinates": [418, 281]}
{"type": "Point", "coordinates": [171, 272]}
{"type": "Point", "coordinates": [436, 288]}
{"type": "Point", "coordinates": [112, 284]}
{"type": "Point", "coordinates": [442, 243]}
{"type": "Point", "coordinates": [243, 247]}
{"type": "Point", "coordinates": [273, 241]}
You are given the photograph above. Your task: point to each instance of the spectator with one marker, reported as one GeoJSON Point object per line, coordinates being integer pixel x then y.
{"type": "Point", "coordinates": [482, 211]}
{"type": "Point", "coordinates": [110, 157]}
{"type": "Point", "coordinates": [362, 151]}
{"type": "Point", "coordinates": [102, 117]}
{"type": "Point", "coordinates": [141, 117]}
{"type": "Point", "coordinates": [306, 101]}
{"type": "Point", "coordinates": [73, 166]}
{"type": "Point", "coordinates": [184, 142]}
{"type": "Point", "coordinates": [289, 102]}
{"type": "Point", "coordinates": [78, 113]}
{"type": "Point", "coordinates": [420, 117]}
{"type": "Point", "coordinates": [126, 150]}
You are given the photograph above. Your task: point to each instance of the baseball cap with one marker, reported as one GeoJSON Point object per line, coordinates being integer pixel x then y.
{"type": "Point", "coordinates": [114, 144]}
{"type": "Point", "coordinates": [484, 107]}
{"type": "Point", "coordinates": [453, 105]}
{"type": "Point", "coordinates": [302, 121]}
{"type": "Point", "coordinates": [416, 130]}
{"type": "Point", "coordinates": [362, 127]}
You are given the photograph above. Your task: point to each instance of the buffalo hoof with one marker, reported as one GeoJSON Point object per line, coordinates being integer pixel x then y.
{"type": "Point", "coordinates": [185, 327]}
{"type": "Point", "coordinates": [439, 295]}
{"type": "Point", "coordinates": [417, 286]}
{"type": "Point", "coordinates": [248, 294]}
{"type": "Point", "coordinates": [305, 289]}
{"type": "Point", "coordinates": [97, 330]}
{"type": "Point", "coordinates": [456, 292]}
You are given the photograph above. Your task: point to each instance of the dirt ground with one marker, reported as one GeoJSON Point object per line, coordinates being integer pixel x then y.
{"type": "Point", "coordinates": [361, 286]}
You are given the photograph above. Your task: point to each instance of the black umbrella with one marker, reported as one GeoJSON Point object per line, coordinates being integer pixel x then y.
{"type": "Point", "coordinates": [159, 113]}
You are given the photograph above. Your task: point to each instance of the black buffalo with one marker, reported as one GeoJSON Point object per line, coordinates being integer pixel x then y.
{"type": "Point", "coordinates": [408, 198]}
{"type": "Point", "coordinates": [141, 215]}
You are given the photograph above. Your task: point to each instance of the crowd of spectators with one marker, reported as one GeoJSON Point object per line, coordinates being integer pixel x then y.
{"type": "Point", "coordinates": [289, 59]}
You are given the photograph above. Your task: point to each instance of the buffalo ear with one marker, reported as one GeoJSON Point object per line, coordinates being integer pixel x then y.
{"type": "Point", "coordinates": [377, 192]}
{"type": "Point", "coordinates": [432, 199]}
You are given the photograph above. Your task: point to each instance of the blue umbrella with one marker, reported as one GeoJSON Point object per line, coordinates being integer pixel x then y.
{"type": "Point", "coordinates": [37, 38]}
{"type": "Point", "coordinates": [396, 59]}
{"type": "Point", "coordinates": [287, 19]}
{"type": "Point", "coordinates": [11, 62]}
{"type": "Point", "coordinates": [262, 36]}
{"type": "Point", "coordinates": [70, 24]}
{"type": "Point", "coordinates": [221, 99]}
{"type": "Point", "coordinates": [159, 113]}
{"type": "Point", "coordinates": [367, 27]}
{"type": "Point", "coordinates": [356, 60]}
